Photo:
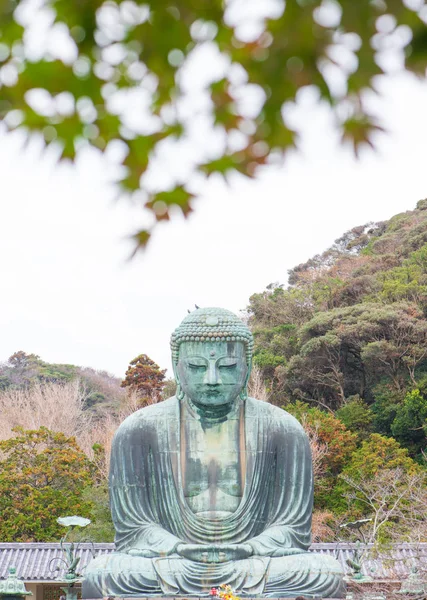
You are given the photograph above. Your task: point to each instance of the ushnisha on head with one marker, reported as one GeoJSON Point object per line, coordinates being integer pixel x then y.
{"type": "Point", "coordinates": [212, 357]}
{"type": "Point", "coordinates": [212, 325]}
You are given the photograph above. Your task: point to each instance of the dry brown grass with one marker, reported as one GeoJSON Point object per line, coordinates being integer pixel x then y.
{"type": "Point", "coordinates": [256, 386]}
{"type": "Point", "coordinates": [58, 407]}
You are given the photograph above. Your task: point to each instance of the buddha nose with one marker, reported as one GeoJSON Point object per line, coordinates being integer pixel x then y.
{"type": "Point", "coordinates": [212, 376]}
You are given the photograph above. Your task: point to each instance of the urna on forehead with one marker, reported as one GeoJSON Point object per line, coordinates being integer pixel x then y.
{"type": "Point", "coordinates": [212, 325]}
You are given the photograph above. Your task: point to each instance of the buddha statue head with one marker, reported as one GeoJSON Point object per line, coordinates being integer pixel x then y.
{"type": "Point", "coordinates": [212, 357]}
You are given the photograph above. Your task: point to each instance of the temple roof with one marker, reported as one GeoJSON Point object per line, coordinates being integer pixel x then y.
{"type": "Point", "coordinates": [36, 562]}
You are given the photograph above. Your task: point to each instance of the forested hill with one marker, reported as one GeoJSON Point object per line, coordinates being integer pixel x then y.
{"type": "Point", "coordinates": [349, 333]}
{"type": "Point", "coordinates": [101, 390]}
{"type": "Point", "coordinates": [343, 348]}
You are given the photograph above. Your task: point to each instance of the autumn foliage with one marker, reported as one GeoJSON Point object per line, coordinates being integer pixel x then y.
{"type": "Point", "coordinates": [145, 377]}
{"type": "Point", "coordinates": [42, 477]}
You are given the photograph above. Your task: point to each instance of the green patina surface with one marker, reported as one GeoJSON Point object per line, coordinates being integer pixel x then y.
{"type": "Point", "coordinates": [13, 588]}
{"type": "Point", "coordinates": [211, 486]}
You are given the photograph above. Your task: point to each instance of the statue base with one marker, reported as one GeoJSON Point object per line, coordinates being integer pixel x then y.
{"type": "Point", "coordinates": [183, 597]}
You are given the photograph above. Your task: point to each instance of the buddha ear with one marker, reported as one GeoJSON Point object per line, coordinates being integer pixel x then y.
{"type": "Point", "coordinates": [179, 391]}
{"type": "Point", "coordinates": [244, 393]}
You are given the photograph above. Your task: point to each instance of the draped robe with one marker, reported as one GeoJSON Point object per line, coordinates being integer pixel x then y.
{"type": "Point", "coordinates": [151, 515]}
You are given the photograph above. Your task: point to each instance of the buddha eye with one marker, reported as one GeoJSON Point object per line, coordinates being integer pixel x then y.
{"type": "Point", "coordinates": [228, 366]}
{"type": "Point", "coordinates": [195, 366]}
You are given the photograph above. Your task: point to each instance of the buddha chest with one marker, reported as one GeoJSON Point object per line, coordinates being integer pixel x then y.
{"type": "Point", "coordinates": [212, 463]}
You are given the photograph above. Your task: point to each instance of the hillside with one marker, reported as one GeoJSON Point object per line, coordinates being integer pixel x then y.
{"type": "Point", "coordinates": [349, 332]}
{"type": "Point", "coordinates": [343, 347]}
{"type": "Point", "coordinates": [101, 390]}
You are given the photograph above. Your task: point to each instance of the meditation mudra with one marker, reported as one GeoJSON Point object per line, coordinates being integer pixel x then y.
{"type": "Point", "coordinates": [211, 487]}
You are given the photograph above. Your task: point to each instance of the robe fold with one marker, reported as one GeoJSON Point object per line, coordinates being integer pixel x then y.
{"type": "Point", "coordinates": [150, 512]}
{"type": "Point", "coordinates": [151, 515]}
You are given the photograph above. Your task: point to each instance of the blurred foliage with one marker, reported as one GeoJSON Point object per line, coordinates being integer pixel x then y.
{"type": "Point", "coordinates": [97, 60]}
{"type": "Point", "coordinates": [42, 477]}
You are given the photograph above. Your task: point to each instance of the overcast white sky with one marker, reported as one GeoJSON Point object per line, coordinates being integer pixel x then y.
{"type": "Point", "coordinates": [68, 293]}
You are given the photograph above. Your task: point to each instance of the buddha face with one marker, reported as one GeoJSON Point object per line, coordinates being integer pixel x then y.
{"type": "Point", "coordinates": [212, 373]}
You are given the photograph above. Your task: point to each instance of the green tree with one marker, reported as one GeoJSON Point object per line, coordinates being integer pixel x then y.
{"type": "Point", "coordinates": [403, 345]}
{"type": "Point", "coordinates": [42, 477]}
{"type": "Point", "coordinates": [144, 377]}
{"type": "Point", "coordinates": [409, 426]}
{"type": "Point", "coordinates": [317, 371]}
{"type": "Point", "coordinates": [345, 351]}
{"type": "Point", "coordinates": [375, 455]}
{"type": "Point", "coordinates": [101, 528]}
{"type": "Point", "coordinates": [407, 282]}
{"type": "Point", "coordinates": [22, 370]}
{"type": "Point", "coordinates": [357, 417]}
{"type": "Point", "coordinates": [119, 49]}
{"type": "Point", "coordinates": [386, 403]}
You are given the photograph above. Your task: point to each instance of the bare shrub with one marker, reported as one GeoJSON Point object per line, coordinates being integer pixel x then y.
{"type": "Point", "coordinates": [256, 385]}
{"type": "Point", "coordinates": [103, 429]}
{"type": "Point", "coordinates": [56, 406]}
{"type": "Point", "coordinates": [319, 449]}
{"type": "Point", "coordinates": [321, 530]}
{"type": "Point", "coordinates": [104, 382]}
{"type": "Point", "coordinates": [60, 407]}
{"type": "Point", "coordinates": [394, 501]}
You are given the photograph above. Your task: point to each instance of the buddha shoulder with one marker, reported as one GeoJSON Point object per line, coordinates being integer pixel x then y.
{"type": "Point", "coordinates": [150, 416]}
{"type": "Point", "coordinates": [274, 415]}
